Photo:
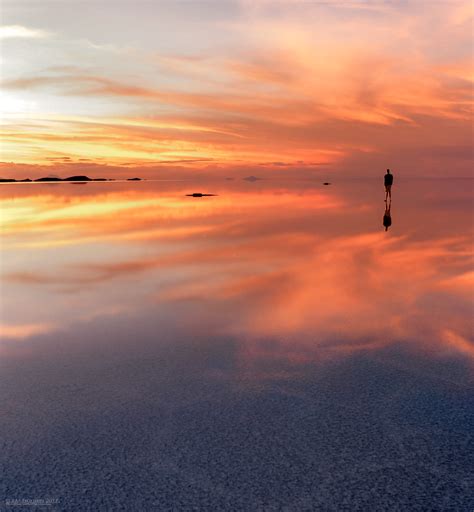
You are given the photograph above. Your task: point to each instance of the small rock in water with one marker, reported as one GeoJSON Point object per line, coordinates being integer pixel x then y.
{"type": "Point", "coordinates": [199, 194]}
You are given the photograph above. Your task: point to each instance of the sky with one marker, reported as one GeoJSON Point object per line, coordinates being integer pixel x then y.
{"type": "Point", "coordinates": [114, 88]}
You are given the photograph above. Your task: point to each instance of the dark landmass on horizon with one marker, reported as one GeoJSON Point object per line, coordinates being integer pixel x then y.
{"type": "Point", "coordinates": [54, 179]}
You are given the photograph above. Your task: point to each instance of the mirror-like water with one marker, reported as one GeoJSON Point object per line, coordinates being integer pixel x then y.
{"type": "Point", "coordinates": [271, 346]}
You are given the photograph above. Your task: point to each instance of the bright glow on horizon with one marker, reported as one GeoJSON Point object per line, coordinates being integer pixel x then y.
{"type": "Point", "coordinates": [7, 32]}
{"type": "Point", "coordinates": [12, 104]}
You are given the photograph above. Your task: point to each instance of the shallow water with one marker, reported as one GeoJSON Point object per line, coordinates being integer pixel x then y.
{"type": "Point", "coordinates": [268, 348]}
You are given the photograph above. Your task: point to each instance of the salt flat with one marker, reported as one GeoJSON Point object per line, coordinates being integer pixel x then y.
{"type": "Point", "coordinates": [268, 348]}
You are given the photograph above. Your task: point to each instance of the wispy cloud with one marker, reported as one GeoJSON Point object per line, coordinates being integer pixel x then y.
{"type": "Point", "coordinates": [18, 31]}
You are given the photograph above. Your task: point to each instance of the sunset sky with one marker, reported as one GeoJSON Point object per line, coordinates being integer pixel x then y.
{"type": "Point", "coordinates": [112, 88]}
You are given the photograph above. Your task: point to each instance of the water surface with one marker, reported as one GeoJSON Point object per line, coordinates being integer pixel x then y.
{"type": "Point", "coordinates": [272, 347]}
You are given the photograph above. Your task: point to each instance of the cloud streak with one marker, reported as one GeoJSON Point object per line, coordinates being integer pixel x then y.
{"type": "Point", "coordinates": [18, 31]}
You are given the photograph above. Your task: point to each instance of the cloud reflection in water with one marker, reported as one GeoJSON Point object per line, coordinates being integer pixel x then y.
{"type": "Point", "coordinates": [309, 267]}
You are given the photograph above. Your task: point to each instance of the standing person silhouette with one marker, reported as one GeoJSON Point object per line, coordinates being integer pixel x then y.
{"type": "Point", "coordinates": [388, 180]}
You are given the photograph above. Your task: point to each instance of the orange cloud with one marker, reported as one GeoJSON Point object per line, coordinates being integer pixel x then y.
{"type": "Point", "coordinates": [332, 82]}
{"type": "Point", "coordinates": [298, 97]}
{"type": "Point", "coordinates": [19, 332]}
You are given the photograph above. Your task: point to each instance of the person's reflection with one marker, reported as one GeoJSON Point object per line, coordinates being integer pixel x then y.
{"type": "Point", "coordinates": [387, 216]}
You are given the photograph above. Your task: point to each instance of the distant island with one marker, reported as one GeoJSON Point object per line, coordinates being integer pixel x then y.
{"type": "Point", "coordinates": [55, 179]}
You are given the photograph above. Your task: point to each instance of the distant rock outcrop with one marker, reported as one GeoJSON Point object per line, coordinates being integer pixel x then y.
{"type": "Point", "coordinates": [48, 179]}
{"type": "Point", "coordinates": [78, 178]}
{"type": "Point", "coordinates": [252, 178]}
{"type": "Point", "coordinates": [56, 179]}
{"type": "Point", "coordinates": [199, 194]}
{"type": "Point", "coordinates": [11, 180]}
